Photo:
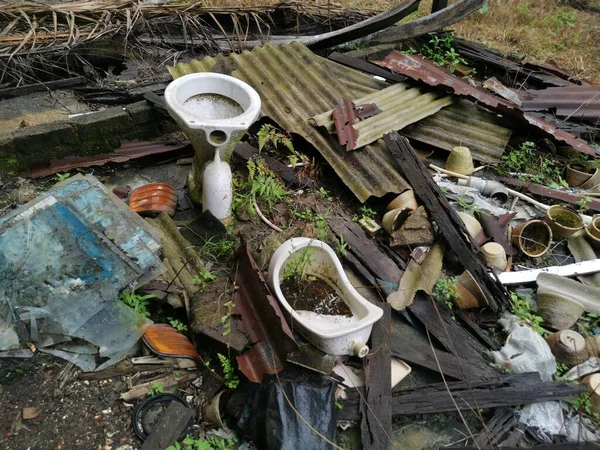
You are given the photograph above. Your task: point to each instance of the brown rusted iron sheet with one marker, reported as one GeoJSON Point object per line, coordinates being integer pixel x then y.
{"type": "Point", "coordinates": [127, 151]}
{"type": "Point", "coordinates": [154, 198]}
{"type": "Point", "coordinates": [420, 69]}
{"type": "Point", "coordinates": [573, 102]}
{"type": "Point", "coordinates": [367, 110]}
{"type": "Point", "coordinates": [557, 194]}
{"type": "Point", "coordinates": [164, 340]}
{"type": "Point", "coordinates": [417, 68]}
{"type": "Point", "coordinates": [343, 118]}
{"type": "Point", "coordinates": [261, 321]}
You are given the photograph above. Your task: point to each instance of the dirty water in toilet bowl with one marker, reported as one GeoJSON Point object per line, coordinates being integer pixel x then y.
{"type": "Point", "coordinates": [213, 106]}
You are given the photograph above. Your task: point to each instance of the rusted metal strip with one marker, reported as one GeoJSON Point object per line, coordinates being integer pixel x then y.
{"type": "Point", "coordinates": [420, 69]}
{"type": "Point", "coordinates": [261, 321]}
{"type": "Point", "coordinates": [578, 102]}
{"type": "Point", "coordinates": [343, 118]}
{"type": "Point", "coordinates": [503, 91]}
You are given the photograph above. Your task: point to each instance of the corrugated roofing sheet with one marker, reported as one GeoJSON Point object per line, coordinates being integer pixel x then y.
{"type": "Point", "coordinates": [400, 104]}
{"type": "Point", "coordinates": [484, 133]}
{"type": "Point", "coordinates": [578, 102]}
{"type": "Point", "coordinates": [294, 85]}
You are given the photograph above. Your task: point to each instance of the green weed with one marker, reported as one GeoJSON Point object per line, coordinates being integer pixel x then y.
{"type": "Point", "coordinates": [211, 443]}
{"type": "Point", "coordinates": [262, 185]}
{"type": "Point", "coordinates": [441, 52]}
{"type": "Point", "coordinates": [533, 166]}
{"type": "Point", "coordinates": [522, 309]}
{"type": "Point", "coordinates": [155, 388]}
{"type": "Point", "coordinates": [137, 302]}
{"type": "Point", "coordinates": [268, 135]}
{"type": "Point", "coordinates": [231, 379]}
{"type": "Point", "coordinates": [62, 176]}
{"type": "Point", "coordinates": [298, 263]}
{"type": "Point", "coordinates": [203, 278]}
{"type": "Point", "coordinates": [588, 324]}
{"type": "Point", "coordinates": [342, 247]}
{"type": "Point", "coordinates": [226, 319]}
{"type": "Point", "coordinates": [583, 404]}
{"type": "Point", "coordinates": [444, 291]}
{"type": "Point", "coordinates": [177, 324]}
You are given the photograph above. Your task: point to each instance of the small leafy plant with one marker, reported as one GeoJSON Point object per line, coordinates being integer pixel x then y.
{"type": "Point", "coordinates": [262, 185]}
{"type": "Point", "coordinates": [203, 278]}
{"type": "Point", "coordinates": [177, 324]}
{"type": "Point", "coordinates": [522, 309]}
{"type": "Point", "coordinates": [216, 249]}
{"type": "Point", "coordinates": [230, 378]}
{"type": "Point", "coordinates": [441, 52]}
{"type": "Point", "coordinates": [226, 319]}
{"type": "Point", "coordinates": [211, 443]}
{"type": "Point", "coordinates": [533, 166]}
{"type": "Point", "coordinates": [62, 176]}
{"type": "Point", "coordinates": [589, 324]}
{"type": "Point", "coordinates": [583, 404]}
{"type": "Point", "coordinates": [155, 389]}
{"type": "Point", "coordinates": [444, 291]}
{"type": "Point", "coordinates": [583, 203]}
{"type": "Point", "coordinates": [341, 247]}
{"type": "Point", "coordinates": [137, 302]}
{"type": "Point", "coordinates": [268, 135]}
{"type": "Point", "coordinates": [297, 264]}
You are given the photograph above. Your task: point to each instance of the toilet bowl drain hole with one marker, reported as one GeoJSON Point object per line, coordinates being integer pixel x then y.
{"type": "Point", "coordinates": [217, 136]}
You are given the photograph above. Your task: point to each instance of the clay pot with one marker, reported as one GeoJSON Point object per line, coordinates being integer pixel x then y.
{"type": "Point", "coordinates": [469, 293]}
{"type": "Point", "coordinates": [568, 347]}
{"type": "Point", "coordinates": [392, 220]}
{"type": "Point", "coordinates": [471, 223]}
{"type": "Point", "coordinates": [211, 412]}
{"type": "Point", "coordinates": [593, 240]}
{"type": "Point", "coordinates": [494, 256]}
{"type": "Point", "coordinates": [405, 200]}
{"type": "Point", "coordinates": [593, 383]}
{"type": "Point", "coordinates": [563, 221]}
{"type": "Point", "coordinates": [593, 183]}
{"type": "Point", "coordinates": [576, 175]}
{"type": "Point", "coordinates": [460, 161]}
{"type": "Point", "coordinates": [532, 237]}
{"type": "Point", "coordinates": [594, 227]}
{"type": "Point", "coordinates": [593, 345]}
{"type": "Point", "coordinates": [558, 311]}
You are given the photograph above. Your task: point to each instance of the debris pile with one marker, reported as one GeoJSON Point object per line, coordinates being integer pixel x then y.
{"type": "Point", "coordinates": [398, 233]}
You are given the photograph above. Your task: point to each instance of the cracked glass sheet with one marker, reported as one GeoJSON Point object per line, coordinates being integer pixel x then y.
{"type": "Point", "coordinates": [61, 275]}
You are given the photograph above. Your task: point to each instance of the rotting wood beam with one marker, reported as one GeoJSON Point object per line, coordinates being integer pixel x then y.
{"type": "Point", "coordinates": [376, 408]}
{"type": "Point", "coordinates": [449, 223]}
{"type": "Point", "coordinates": [42, 86]}
{"type": "Point", "coordinates": [365, 66]}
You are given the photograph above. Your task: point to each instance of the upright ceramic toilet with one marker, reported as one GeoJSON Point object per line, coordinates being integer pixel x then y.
{"type": "Point", "coordinates": [214, 111]}
{"type": "Point", "coordinates": [333, 334]}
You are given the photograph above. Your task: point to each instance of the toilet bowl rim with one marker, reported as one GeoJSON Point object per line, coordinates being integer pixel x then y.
{"type": "Point", "coordinates": [193, 121]}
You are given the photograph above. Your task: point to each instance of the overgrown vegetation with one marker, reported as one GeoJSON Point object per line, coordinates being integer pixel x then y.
{"type": "Point", "coordinates": [583, 404]}
{"type": "Point", "coordinates": [231, 380]}
{"type": "Point", "coordinates": [526, 163]}
{"type": "Point", "coordinates": [440, 50]}
{"type": "Point", "coordinates": [588, 324]}
{"type": "Point", "coordinates": [271, 137]}
{"type": "Point", "coordinates": [210, 443]}
{"type": "Point", "coordinates": [444, 291]}
{"type": "Point", "coordinates": [342, 247]}
{"type": "Point", "coordinates": [223, 248]}
{"type": "Point", "coordinates": [177, 324]}
{"type": "Point", "coordinates": [262, 185]}
{"type": "Point", "coordinates": [203, 278]}
{"type": "Point", "coordinates": [155, 389]}
{"type": "Point", "coordinates": [137, 302]}
{"type": "Point", "coordinates": [522, 309]}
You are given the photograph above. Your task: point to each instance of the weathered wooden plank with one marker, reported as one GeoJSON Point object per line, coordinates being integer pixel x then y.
{"type": "Point", "coordinates": [450, 225]}
{"type": "Point", "coordinates": [454, 338]}
{"type": "Point", "coordinates": [511, 390]}
{"type": "Point", "coordinates": [450, 365]}
{"type": "Point", "coordinates": [45, 86]}
{"type": "Point", "coordinates": [438, 4]}
{"type": "Point", "coordinates": [364, 249]}
{"type": "Point", "coordinates": [501, 423]}
{"type": "Point", "coordinates": [376, 412]}
{"type": "Point", "coordinates": [170, 425]}
{"type": "Point", "coordinates": [365, 66]}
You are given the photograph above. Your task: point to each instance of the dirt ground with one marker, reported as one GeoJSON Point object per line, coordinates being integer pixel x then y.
{"type": "Point", "coordinates": [73, 413]}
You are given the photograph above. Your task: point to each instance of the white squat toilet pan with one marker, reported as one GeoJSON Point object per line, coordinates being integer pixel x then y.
{"type": "Point", "coordinates": [335, 335]}
{"type": "Point", "coordinates": [214, 111]}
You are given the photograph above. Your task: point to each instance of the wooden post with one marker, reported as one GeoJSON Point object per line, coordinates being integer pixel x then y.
{"type": "Point", "coordinates": [438, 4]}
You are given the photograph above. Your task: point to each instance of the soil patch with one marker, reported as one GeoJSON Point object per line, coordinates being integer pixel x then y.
{"type": "Point", "coordinates": [314, 294]}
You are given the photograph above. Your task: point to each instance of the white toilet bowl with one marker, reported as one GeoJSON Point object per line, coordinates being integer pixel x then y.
{"type": "Point", "coordinates": [336, 335]}
{"type": "Point", "coordinates": [214, 111]}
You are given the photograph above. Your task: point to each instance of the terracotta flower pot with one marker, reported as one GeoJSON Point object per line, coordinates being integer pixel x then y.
{"type": "Point", "coordinates": [592, 239]}
{"type": "Point", "coordinates": [460, 161]}
{"type": "Point", "coordinates": [558, 311]}
{"type": "Point", "coordinates": [594, 227]}
{"type": "Point", "coordinates": [564, 221]}
{"type": "Point", "coordinates": [576, 175]}
{"type": "Point", "coordinates": [392, 220]}
{"type": "Point", "coordinates": [568, 346]}
{"type": "Point", "coordinates": [469, 293]}
{"type": "Point", "coordinates": [593, 183]}
{"type": "Point", "coordinates": [532, 237]}
{"type": "Point", "coordinates": [405, 200]}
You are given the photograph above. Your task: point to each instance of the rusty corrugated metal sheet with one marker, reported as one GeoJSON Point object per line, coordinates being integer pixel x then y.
{"type": "Point", "coordinates": [466, 124]}
{"type": "Point", "coordinates": [573, 102]}
{"type": "Point", "coordinates": [127, 151]}
{"type": "Point", "coordinates": [261, 321]}
{"type": "Point", "coordinates": [343, 116]}
{"type": "Point", "coordinates": [503, 91]}
{"type": "Point", "coordinates": [294, 85]}
{"type": "Point", "coordinates": [401, 105]}
{"type": "Point", "coordinates": [417, 68]}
